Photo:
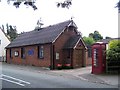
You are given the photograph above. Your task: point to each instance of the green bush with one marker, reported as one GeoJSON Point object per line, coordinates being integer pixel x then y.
{"type": "Point", "coordinates": [113, 52]}
{"type": "Point", "coordinates": [114, 44]}
{"type": "Point", "coordinates": [113, 56]}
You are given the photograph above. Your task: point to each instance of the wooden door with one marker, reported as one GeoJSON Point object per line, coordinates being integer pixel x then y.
{"type": "Point", "coordinates": [79, 57]}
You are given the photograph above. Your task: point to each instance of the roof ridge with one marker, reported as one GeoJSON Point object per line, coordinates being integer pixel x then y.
{"type": "Point", "coordinates": [61, 22]}
{"type": "Point", "coordinates": [56, 24]}
{"type": "Point", "coordinates": [50, 25]}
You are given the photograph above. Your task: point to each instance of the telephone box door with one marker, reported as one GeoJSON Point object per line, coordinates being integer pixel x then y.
{"type": "Point", "coordinates": [98, 58]}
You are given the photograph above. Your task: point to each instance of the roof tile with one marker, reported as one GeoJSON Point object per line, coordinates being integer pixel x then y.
{"type": "Point", "coordinates": [39, 36]}
{"type": "Point", "coordinates": [72, 42]}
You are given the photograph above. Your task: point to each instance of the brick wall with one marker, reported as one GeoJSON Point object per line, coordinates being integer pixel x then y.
{"type": "Point", "coordinates": [88, 59]}
{"type": "Point", "coordinates": [59, 43]}
{"type": "Point", "coordinates": [30, 59]}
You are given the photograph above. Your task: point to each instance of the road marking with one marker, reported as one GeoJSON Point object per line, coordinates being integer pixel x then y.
{"type": "Point", "coordinates": [14, 80]}
{"type": "Point", "coordinates": [22, 81]}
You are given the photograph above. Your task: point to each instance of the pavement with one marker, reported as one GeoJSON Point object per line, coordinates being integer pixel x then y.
{"type": "Point", "coordinates": [83, 73]}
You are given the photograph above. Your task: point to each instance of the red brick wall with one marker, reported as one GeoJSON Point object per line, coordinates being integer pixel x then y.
{"type": "Point", "coordinates": [31, 59]}
{"type": "Point", "coordinates": [88, 59]}
{"type": "Point", "coordinates": [82, 57]}
{"type": "Point", "coordinates": [59, 43]}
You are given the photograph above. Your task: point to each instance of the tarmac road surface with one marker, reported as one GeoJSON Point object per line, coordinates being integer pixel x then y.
{"type": "Point", "coordinates": [15, 77]}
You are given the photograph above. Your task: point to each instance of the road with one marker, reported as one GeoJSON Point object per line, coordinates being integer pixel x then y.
{"type": "Point", "coordinates": [14, 77]}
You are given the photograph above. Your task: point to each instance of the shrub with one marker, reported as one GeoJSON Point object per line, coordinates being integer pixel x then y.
{"type": "Point", "coordinates": [114, 44]}
{"type": "Point", "coordinates": [113, 52]}
{"type": "Point", "coordinates": [113, 56]}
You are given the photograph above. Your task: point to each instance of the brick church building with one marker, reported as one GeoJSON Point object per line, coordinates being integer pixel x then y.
{"type": "Point", "coordinates": [49, 46]}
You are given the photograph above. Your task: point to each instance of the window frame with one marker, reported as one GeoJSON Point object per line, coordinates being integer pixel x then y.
{"type": "Point", "coordinates": [16, 53]}
{"type": "Point", "coordinates": [57, 55]}
{"type": "Point", "coordinates": [41, 52]}
{"type": "Point", "coordinates": [23, 53]}
{"type": "Point", "coordinates": [10, 52]}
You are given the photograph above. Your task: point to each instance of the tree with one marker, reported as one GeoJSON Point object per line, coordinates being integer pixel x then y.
{"type": "Point", "coordinates": [107, 37]}
{"type": "Point", "coordinates": [88, 40]}
{"type": "Point", "coordinates": [96, 36]}
{"type": "Point", "coordinates": [91, 35]}
{"type": "Point", "coordinates": [2, 27]}
{"type": "Point", "coordinates": [118, 6]}
{"type": "Point", "coordinates": [65, 4]}
{"type": "Point", "coordinates": [11, 32]}
{"type": "Point", "coordinates": [17, 3]}
{"type": "Point", "coordinates": [31, 3]}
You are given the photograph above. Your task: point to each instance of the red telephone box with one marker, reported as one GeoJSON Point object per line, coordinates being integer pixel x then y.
{"type": "Point", "coordinates": [98, 58]}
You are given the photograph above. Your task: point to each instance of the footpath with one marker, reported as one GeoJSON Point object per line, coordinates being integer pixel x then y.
{"type": "Point", "coordinates": [85, 74]}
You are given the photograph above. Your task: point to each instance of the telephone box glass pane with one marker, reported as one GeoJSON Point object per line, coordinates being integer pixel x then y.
{"type": "Point", "coordinates": [95, 63]}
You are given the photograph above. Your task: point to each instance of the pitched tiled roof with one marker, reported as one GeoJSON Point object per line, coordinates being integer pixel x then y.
{"type": "Point", "coordinates": [72, 42]}
{"type": "Point", "coordinates": [108, 40]}
{"type": "Point", "coordinates": [40, 36]}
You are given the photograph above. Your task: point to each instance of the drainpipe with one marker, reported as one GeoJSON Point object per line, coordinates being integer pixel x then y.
{"type": "Point", "coordinates": [52, 57]}
{"type": "Point", "coordinates": [71, 52]}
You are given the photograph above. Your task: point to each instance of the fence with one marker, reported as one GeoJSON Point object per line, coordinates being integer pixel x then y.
{"type": "Point", "coordinates": [113, 66]}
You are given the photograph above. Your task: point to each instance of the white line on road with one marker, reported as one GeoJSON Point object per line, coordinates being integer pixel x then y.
{"type": "Point", "coordinates": [12, 82]}
{"type": "Point", "coordinates": [21, 81]}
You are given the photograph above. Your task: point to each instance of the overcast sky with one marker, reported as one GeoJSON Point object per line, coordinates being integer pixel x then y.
{"type": "Point", "coordinates": [89, 15]}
